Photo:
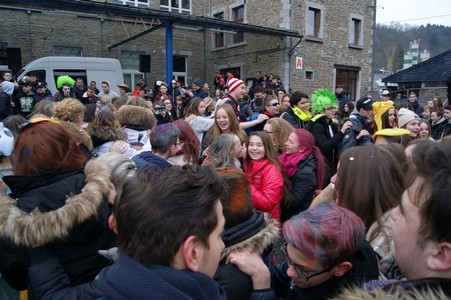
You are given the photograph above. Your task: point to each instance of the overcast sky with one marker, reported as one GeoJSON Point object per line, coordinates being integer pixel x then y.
{"type": "Point", "coordinates": [414, 12]}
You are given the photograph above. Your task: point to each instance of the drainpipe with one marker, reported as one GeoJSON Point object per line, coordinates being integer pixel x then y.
{"type": "Point", "coordinates": [290, 45]}
{"type": "Point", "coordinates": [374, 41]}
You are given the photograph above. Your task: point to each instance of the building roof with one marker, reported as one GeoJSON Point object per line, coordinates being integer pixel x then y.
{"type": "Point", "coordinates": [435, 69]}
{"type": "Point", "coordinates": [112, 9]}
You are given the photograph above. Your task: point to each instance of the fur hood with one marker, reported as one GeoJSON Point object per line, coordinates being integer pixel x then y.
{"type": "Point", "coordinates": [135, 117]}
{"type": "Point", "coordinates": [103, 134]}
{"type": "Point", "coordinates": [259, 241]}
{"type": "Point", "coordinates": [36, 229]}
{"type": "Point", "coordinates": [355, 293]}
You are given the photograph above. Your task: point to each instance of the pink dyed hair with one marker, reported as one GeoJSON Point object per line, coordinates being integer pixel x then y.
{"type": "Point", "coordinates": [326, 232]}
{"type": "Point", "coordinates": [306, 139]}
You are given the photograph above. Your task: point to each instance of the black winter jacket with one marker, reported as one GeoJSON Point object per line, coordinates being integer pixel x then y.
{"type": "Point", "coordinates": [303, 186]}
{"type": "Point", "coordinates": [258, 233]}
{"type": "Point", "coordinates": [329, 145]}
{"type": "Point", "coordinates": [74, 244]}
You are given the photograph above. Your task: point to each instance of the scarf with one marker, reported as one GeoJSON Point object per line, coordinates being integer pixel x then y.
{"type": "Point", "coordinates": [290, 161]}
{"type": "Point", "coordinates": [301, 114]}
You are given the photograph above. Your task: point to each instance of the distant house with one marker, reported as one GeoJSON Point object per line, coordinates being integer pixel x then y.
{"type": "Point", "coordinates": [427, 78]}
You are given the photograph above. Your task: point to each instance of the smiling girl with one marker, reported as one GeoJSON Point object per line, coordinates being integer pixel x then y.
{"type": "Point", "coordinates": [225, 122]}
{"type": "Point", "coordinates": [263, 169]}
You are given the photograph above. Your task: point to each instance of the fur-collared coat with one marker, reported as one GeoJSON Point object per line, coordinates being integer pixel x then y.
{"type": "Point", "coordinates": [103, 136]}
{"type": "Point", "coordinates": [67, 213]}
{"type": "Point", "coordinates": [257, 234]}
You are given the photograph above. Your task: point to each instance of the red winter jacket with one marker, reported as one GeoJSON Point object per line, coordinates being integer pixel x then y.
{"type": "Point", "coordinates": [266, 186]}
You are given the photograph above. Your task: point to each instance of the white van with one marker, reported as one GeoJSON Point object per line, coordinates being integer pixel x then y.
{"type": "Point", "coordinates": [96, 69]}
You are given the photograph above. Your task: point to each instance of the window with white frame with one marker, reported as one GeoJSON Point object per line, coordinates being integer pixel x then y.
{"type": "Point", "coordinates": [137, 3]}
{"type": "Point", "coordinates": [180, 6]}
{"type": "Point", "coordinates": [130, 66]}
{"type": "Point", "coordinates": [238, 17]}
{"type": "Point", "coordinates": [218, 37]}
{"type": "Point", "coordinates": [355, 30]}
{"type": "Point", "coordinates": [314, 21]}
{"type": "Point", "coordinates": [67, 51]}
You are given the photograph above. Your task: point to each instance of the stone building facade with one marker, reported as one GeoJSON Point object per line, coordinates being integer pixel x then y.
{"type": "Point", "coordinates": [336, 47]}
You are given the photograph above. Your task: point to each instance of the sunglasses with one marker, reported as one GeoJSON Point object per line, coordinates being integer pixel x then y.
{"type": "Point", "coordinates": [275, 104]}
{"type": "Point", "coordinates": [300, 269]}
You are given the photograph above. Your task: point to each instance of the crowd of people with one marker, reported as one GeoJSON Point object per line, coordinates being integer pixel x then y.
{"type": "Point", "coordinates": [177, 192]}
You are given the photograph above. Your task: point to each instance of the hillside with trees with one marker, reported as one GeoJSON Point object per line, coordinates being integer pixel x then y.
{"type": "Point", "coordinates": [393, 40]}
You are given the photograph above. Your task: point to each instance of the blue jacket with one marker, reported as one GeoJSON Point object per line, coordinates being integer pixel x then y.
{"type": "Point", "coordinates": [128, 279]}
{"type": "Point", "coordinates": [147, 159]}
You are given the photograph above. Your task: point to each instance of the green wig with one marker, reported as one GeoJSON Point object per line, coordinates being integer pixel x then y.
{"type": "Point", "coordinates": [64, 79]}
{"type": "Point", "coordinates": [323, 99]}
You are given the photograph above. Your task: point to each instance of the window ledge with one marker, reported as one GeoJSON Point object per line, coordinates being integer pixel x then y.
{"type": "Point", "coordinates": [354, 46]}
{"type": "Point", "coordinates": [313, 39]}
{"type": "Point", "coordinates": [218, 48]}
{"type": "Point", "coordinates": [237, 44]}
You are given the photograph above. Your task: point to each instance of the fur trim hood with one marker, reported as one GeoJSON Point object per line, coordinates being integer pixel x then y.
{"type": "Point", "coordinates": [259, 241]}
{"type": "Point", "coordinates": [102, 134]}
{"type": "Point", "coordinates": [432, 292]}
{"type": "Point", "coordinates": [135, 117]}
{"type": "Point", "coordinates": [36, 229]}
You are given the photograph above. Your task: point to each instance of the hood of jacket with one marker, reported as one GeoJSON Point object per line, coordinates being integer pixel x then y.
{"type": "Point", "coordinates": [148, 159]}
{"type": "Point", "coordinates": [255, 234]}
{"type": "Point", "coordinates": [102, 134]}
{"type": "Point", "coordinates": [128, 279]}
{"type": "Point", "coordinates": [37, 228]}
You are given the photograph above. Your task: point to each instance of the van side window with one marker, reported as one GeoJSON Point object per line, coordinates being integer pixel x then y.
{"type": "Point", "coordinates": [72, 73]}
{"type": "Point", "coordinates": [40, 74]}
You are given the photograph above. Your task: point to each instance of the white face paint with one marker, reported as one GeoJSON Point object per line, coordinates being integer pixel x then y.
{"type": "Point", "coordinates": [66, 91]}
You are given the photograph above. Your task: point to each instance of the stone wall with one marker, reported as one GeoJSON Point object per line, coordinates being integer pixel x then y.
{"type": "Point", "coordinates": [36, 32]}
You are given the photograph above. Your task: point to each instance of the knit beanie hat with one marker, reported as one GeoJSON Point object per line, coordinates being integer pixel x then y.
{"type": "Point", "coordinates": [405, 116]}
{"type": "Point", "coordinates": [234, 83]}
{"type": "Point", "coordinates": [380, 108]}
{"type": "Point", "coordinates": [197, 82]}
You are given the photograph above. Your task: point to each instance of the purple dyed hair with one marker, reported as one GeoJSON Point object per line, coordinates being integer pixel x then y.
{"type": "Point", "coordinates": [327, 232]}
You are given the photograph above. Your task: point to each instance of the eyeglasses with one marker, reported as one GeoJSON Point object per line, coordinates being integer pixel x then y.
{"type": "Point", "coordinates": [275, 104]}
{"type": "Point", "coordinates": [300, 269]}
